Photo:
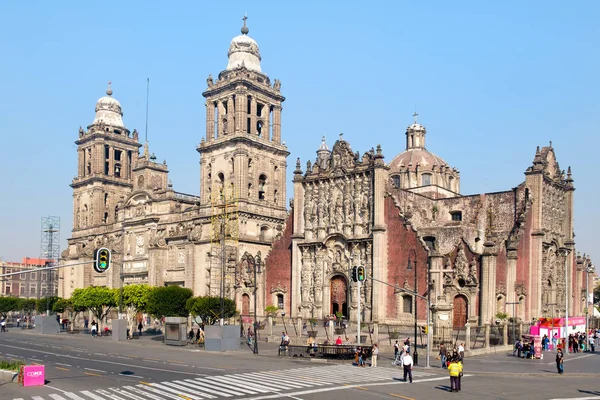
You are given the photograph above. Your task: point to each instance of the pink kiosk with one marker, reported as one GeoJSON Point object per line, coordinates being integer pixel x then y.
{"type": "Point", "coordinates": [556, 326]}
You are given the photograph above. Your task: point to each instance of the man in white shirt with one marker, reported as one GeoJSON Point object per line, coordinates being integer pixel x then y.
{"type": "Point", "coordinates": [461, 352]}
{"type": "Point", "coordinates": [407, 363]}
{"type": "Point", "coordinates": [374, 354]}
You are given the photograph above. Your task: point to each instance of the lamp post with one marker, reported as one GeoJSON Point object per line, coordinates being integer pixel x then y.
{"type": "Point", "coordinates": [256, 268]}
{"type": "Point", "coordinates": [566, 252]}
{"type": "Point", "coordinates": [411, 267]}
{"type": "Point", "coordinates": [589, 270]}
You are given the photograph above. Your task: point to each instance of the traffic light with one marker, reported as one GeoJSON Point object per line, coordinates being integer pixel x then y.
{"type": "Point", "coordinates": [102, 261]}
{"type": "Point", "coordinates": [360, 274]}
{"type": "Point", "coordinates": [424, 329]}
{"type": "Point", "coordinates": [354, 274]}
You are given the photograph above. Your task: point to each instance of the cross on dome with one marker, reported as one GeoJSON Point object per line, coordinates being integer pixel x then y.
{"type": "Point", "coordinates": [109, 91]}
{"type": "Point", "coordinates": [415, 115]}
{"type": "Point", "coordinates": [245, 29]}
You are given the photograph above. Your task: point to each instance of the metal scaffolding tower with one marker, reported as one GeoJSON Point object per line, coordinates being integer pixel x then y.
{"type": "Point", "coordinates": [224, 242]}
{"type": "Point", "coordinates": [50, 251]}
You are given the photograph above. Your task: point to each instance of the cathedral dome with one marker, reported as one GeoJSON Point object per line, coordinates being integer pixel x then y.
{"type": "Point", "coordinates": [413, 157]}
{"type": "Point", "coordinates": [243, 51]}
{"type": "Point", "coordinates": [108, 110]}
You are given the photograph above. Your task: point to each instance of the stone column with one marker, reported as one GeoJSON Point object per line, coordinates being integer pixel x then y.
{"type": "Point", "coordinates": [230, 116]}
{"type": "Point", "coordinates": [488, 282]}
{"type": "Point", "coordinates": [379, 252]}
{"type": "Point", "coordinates": [277, 124]}
{"type": "Point", "coordinates": [486, 328]}
{"type": "Point", "coordinates": [253, 115]}
{"type": "Point", "coordinates": [221, 115]}
{"type": "Point", "coordinates": [299, 326]}
{"type": "Point", "coordinates": [241, 173]}
{"type": "Point", "coordinates": [505, 333]}
{"type": "Point", "coordinates": [81, 163]}
{"type": "Point", "coordinates": [267, 127]}
{"type": "Point", "coordinates": [330, 330]}
{"type": "Point", "coordinates": [210, 120]}
{"type": "Point", "coordinates": [467, 336]}
{"type": "Point", "coordinates": [240, 110]}
{"type": "Point", "coordinates": [269, 325]}
{"type": "Point", "coordinates": [375, 332]}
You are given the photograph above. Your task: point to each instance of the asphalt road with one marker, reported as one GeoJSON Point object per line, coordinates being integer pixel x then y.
{"type": "Point", "coordinates": [81, 367]}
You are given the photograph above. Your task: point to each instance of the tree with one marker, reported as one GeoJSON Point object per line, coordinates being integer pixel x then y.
{"type": "Point", "coordinates": [168, 301]}
{"type": "Point", "coordinates": [271, 311]}
{"type": "Point", "coordinates": [209, 308]}
{"type": "Point", "coordinates": [46, 303]}
{"type": "Point", "coordinates": [66, 305]}
{"type": "Point", "coordinates": [98, 299]}
{"type": "Point", "coordinates": [134, 301]}
{"type": "Point", "coordinates": [8, 304]}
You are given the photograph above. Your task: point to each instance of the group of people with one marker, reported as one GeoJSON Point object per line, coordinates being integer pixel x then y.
{"type": "Point", "coordinates": [524, 349]}
{"type": "Point", "coordinates": [196, 337]}
{"type": "Point", "coordinates": [446, 356]}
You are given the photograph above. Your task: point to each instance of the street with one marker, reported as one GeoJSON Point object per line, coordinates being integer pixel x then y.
{"type": "Point", "coordinates": [81, 368]}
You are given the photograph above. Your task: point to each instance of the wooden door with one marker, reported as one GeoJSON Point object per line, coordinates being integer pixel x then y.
{"type": "Point", "coordinates": [245, 304]}
{"type": "Point", "coordinates": [460, 312]}
{"type": "Point", "coordinates": [339, 295]}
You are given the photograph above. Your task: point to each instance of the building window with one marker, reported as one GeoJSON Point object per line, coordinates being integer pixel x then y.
{"type": "Point", "coordinates": [8, 271]}
{"type": "Point", "coordinates": [32, 290]}
{"type": "Point", "coordinates": [456, 215]}
{"type": "Point", "coordinates": [7, 289]}
{"type": "Point", "coordinates": [280, 303]}
{"type": "Point", "coordinates": [22, 290]}
{"type": "Point", "coordinates": [43, 276]}
{"type": "Point", "coordinates": [32, 276]}
{"type": "Point", "coordinates": [407, 302]}
{"type": "Point", "coordinates": [429, 242]}
{"type": "Point", "coordinates": [262, 181]}
{"type": "Point", "coordinates": [425, 179]}
{"type": "Point", "coordinates": [396, 181]}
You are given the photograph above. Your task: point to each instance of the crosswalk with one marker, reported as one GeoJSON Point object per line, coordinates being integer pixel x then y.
{"type": "Point", "coordinates": [239, 385]}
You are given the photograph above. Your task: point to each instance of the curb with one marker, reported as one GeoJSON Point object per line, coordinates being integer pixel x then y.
{"type": "Point", "coordinates": [8, 376]}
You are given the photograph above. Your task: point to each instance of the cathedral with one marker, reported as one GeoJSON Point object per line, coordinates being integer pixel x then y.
{"type": "Point", "coordinates": [404, 220]}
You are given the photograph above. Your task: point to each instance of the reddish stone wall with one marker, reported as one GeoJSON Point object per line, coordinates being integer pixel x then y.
{"type": "Point", "coordinates": [278, 265]}
{"type": "Point", "coordinates": [401, 241]}
{"type": "Point", "coordinates": [523, 257]}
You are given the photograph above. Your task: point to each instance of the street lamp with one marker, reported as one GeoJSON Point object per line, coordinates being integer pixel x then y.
{"type": "Point", "coordinates": [565, 252]}
{"type": "Point", "coordinates": [589, 270]}
{"type": "Point", "coordinates": [410, 267]}
{"type": "Point", "coordinates": [552, 317]}
{"type": "Point", "coordinates": [256, 269]}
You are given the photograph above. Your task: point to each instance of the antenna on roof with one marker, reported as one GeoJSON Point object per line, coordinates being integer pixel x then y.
{"type": "Point", "coordinates": [147, 97]}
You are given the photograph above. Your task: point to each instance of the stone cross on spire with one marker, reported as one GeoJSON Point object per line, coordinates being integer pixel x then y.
{"type": "Point", "coordinates": [109, 90]}
{"type": "Point", "coordinates": [245, 29]}
{"type": "Point", "coordinates": [415, 115]}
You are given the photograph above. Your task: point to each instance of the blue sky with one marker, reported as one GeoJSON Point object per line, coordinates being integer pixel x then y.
{"type": "Point", "coordinates": [490, 80]}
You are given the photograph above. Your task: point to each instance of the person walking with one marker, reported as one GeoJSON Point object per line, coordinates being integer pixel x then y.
{"type": "Point", "coordinates": [407, 363]}
{"type": "Point", "coordinates": [374, 354]}
{"type": "Point", "coordinates": [94, 329]}
{"type": "Point", "coordinates": [455, 369]}
{"type": "Point", "coordinates": [442, 354]}
{"type": "Point", "coordinates": [140, 327]}
{"type": "Point", "coordinates": [559, 361]}
{"type": "Point", "coordinates": [396, 349]}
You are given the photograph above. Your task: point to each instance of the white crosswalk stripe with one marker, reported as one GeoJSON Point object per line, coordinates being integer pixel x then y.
{"type": "Point", "coordinates": [240, 385]}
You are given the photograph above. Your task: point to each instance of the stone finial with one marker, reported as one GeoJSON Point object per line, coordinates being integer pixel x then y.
{"type": "Point", "coordinates": [109, 91]}
{"type": "Point", "coordinates": [298, 169]}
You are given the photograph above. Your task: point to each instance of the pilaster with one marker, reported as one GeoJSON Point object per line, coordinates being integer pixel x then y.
{"type": "Point", "coordinates": [488, 283]}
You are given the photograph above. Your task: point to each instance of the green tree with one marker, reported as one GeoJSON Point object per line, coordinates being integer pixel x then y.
{"type": "Point", "coordinates": [168, 301]}
{"type": "Point", "coordinates": [98, 299]}
{"type": "Point", "coordinates": [271, 311]}
{"type": "Point", "coordinates": [28, 305]}
{"type": "Point", "coordinates": [46, 303]}
{"type": "Point", "coordinates": [134, 301]}
{"type": "Point", "coordinates": [209, 308]}
{"type": "Point", "coordinates": [8, 304]}
{"type": "Point", "coordinates": [66, 306]}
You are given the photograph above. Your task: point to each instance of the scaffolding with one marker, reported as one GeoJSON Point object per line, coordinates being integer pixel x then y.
{"type": "Point", "coordinates": [224, 243]}
{"type": "Point", "coordinates": [49, 251]}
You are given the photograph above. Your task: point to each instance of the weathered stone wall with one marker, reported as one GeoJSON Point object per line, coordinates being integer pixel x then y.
{"type": "Point", "coordinates": [278, 266]}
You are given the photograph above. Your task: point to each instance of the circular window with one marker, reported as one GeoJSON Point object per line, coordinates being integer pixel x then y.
{"type": "Point", "coordinates": [461, 283]}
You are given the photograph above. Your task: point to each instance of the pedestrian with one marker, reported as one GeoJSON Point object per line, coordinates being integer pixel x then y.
{"type": "Point", "coordinates": [407, 363]}
{"type": "Point", "coordinates": [3, 325]}
{"type": "Point", "coordinates": [396, 349]}
{"type": "Point", "coordinates": [18, 322]}
{"type": "Point", "coordinates": [455, 369]}
{"type": "Point", "coordinates": [406, 346]}
{"type": "Point", "coordinates": [554, 341]}
{"type": "Point", "coordinates": [94, 329]}
{"type": "Point", "coordinates": [86, 322]}
{"type": "Point", "coordinates": [140, 327]}
{"type": "Point", "coordinates": [461, 352]}
{"type": "Point", "coordinates": [593, 343]}
{"type": "Point", "coordinates": [374, 354]}
{"type": "Point", "coordinates": [442, 354]}
{"type": "Point", "coordinates": [559, 361]}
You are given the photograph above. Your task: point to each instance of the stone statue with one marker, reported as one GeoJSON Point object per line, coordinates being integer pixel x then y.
{"type": "Point", "coordinates": [308, 167]}
{"type": "Point", "coordinates": [460, 265]}
{"type": "Point", "coordinates": [135, 134]}
{"type": "Point", "coordinates": [81, 132]}
{"type": "Point", "coordinates": [472, 278]}
{"type": "Point", "coordinates": [209, 80]}
{"type": "Point", "coordinates": [277, 85]}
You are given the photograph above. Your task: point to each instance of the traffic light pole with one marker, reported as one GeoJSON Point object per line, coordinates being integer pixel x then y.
{"type": "Point", "coordinates": [358, 316]}
{"type": "Point", "coordinates": [47, 268]}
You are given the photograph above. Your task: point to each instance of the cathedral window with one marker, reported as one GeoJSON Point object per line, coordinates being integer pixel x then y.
{"type": "Point", "coordinates": [429, 242]}
{"type": "Point", "coordinates": [275, 196]}
{"type": "Point", "coordinates": [407, 302]}
{"type": "Point", "coordinates": [280, 302]}
{"type": "Point", "coordinates": [89, 168]}
{"type": "Point", "coordinates": [263, 233]}
{"type": "Point", "coordinates": [262, 181]}
{"type": "Point", "coordinates": [396, 181]}
{"type": "Point", "coordinates": [456, 215]}
{"type": "Point", "coordinates": [259, 109]}
{"type": "Point", "coordinates": [425, 179]}
{"type": "Point", "coordinates": [249, 126]}
{"type": "Point", "coordinates": [118, 155]}
{"type": "Point", "coordinates": [105, 218]}
{"type": "Point", "coordinates": [105, 199]}
{"type": "Point", "coordinates": [117, 170]}
{"type": "Point", "coordinates": [249, 189]}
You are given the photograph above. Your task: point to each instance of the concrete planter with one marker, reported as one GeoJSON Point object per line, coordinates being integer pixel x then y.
{"type": "Point", "coordinates": [8, 376]}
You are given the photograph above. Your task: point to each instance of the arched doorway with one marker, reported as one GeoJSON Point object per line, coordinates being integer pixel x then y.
{"type": "Point", "coordinates": [339, 296]}
{"type": "Point", "coordinates": [245, 304]}
{"type": "Point", "coordinates": [460, 311]}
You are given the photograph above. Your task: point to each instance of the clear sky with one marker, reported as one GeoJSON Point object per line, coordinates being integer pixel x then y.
{"type": "Point", "coordinates": [490, 81]}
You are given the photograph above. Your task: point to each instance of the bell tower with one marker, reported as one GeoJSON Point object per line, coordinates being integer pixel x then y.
{"type": "Point", "coordinates": [242, 150]}
{"type": "Point", "coordinates": [106, 152]}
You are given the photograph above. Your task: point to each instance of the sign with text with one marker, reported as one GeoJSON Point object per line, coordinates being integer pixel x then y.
{"type": "Point", "coordinates": [33, 375]}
